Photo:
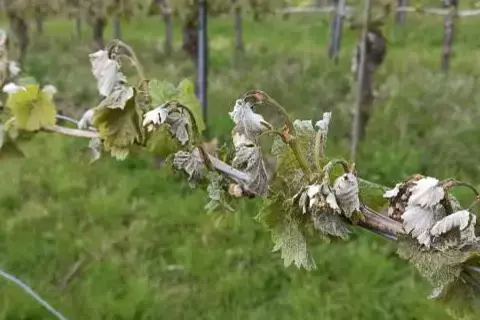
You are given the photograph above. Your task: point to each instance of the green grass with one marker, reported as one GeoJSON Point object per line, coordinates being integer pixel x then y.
{"type": "Point", "coordinates": [150, 250]}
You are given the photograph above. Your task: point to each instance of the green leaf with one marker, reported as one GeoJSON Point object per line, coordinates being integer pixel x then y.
{"type": "Point", "coordinates": [162, 92]}
{"type": "Point", "coordinates": [32, 108]}
{"type": "Point", "coordinates": [119, 128]}
{"type": "Point", "coordinates": [161, 143]}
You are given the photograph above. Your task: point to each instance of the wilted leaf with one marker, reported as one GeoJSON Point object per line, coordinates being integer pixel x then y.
{"type": "Point", "coordinates": [249, 159]}
{"type": "Point", "coordinates": [155, 117]}
{"type": "Point", "coordinates": [32, 108]}
{"type": "Point", "coordinates": [179, 122]}
{"type": "Point", "coordinates": [290, 240]}
{"type": "Point", "coordinates": [216, 193]}
{"type": "Point", "coordinates": [330, 224]}
{"type": "Point", "coordinates": [95, 146]}
{"type": "Point", "coordinates": [86, 120]}
{"type": "Point", "coordinates": [346, 191]}
{"type": "Point", "coordinates": [417, 221]}
{"type": "Point", "coordinates": [459, 219]}
{"type": "Point", "coordinates": [119, 128]}
{"type": "Point", "coordinates": [392, 193]}
{"type": "Point", "coordinates": [162, 92]}
{"type": "Point", "coordinates": [190, 162]}
{"type": "Point", "coordinates": [117, 98]}
{"type": "Point", "coordinates": [106, 71]}
{"type": "Point", "coordinates": [426, 193]}
{"type": "Point", "coordinates": [439, 267]}
{"type": "Point", "coordinates": [247, 122]}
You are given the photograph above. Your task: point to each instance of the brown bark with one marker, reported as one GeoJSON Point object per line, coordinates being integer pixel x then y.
{"type": "Point", "coordinates": [448, 35]}
{"type": "Point", "coordinates": [190, 38]}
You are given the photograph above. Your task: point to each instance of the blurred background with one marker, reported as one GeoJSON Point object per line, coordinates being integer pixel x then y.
{"type": "Point", "coordinates": [126, 240]}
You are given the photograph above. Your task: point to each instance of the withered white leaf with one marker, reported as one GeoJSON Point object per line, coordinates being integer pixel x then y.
{"type": "Point", "coordinates": [303, 127]}
{"type": "Point", "coordinates": [86, 120]}
{"type": "Point", "coordinates": [12, 88]}
{"type": "Point", "coordinates": [248, 158]}
{"type": "Point", "coordinates": [50, 89]}
{"type": "Point", "coordinates": [426, 193]}
{"type": "Point", "coordinates": [346, 191]}
{"type": "Point", "coordinates": [392, 193]}
{"type": "Point", "coordinates": [13, 68]}
{"type": "Point", "coordinates": [155, 117]}
{"type": "Point", "coordinates": [417, 221]}
{"type": "Point", "coordinates": [322, 125]}
{"type": "Point", "coordinates": [179, 122]}
{"type": "Point", "coordinates": [459, 219]}
{"type": "Point", "coordinates": [190, 162]}
{"type": "Point", "coordinates": [95, 145]}
{"type": "Point", "coordinates": [106, 71]}
{"type": "Point", "coordinates": [247, 121]}
{"type": "Point", "coordinates": [117, 98]}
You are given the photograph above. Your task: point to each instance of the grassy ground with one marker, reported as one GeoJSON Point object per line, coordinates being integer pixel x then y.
{"type": "Point", "coordinates": [146, 247]}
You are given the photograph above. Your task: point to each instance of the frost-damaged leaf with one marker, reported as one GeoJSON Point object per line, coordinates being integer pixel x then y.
{"type": "Point", "coordinates": [391, 193]}
{"type": "Point", "coordinates": [426, 193]}
{"type": "Point", "coordinates": [162, 92]}
{"type": "Point", "coordinates": [117, 98]}
{"type": "Point", "coordinates": [119, 128]}
{"type": "Point", "coordinates": [417, 221]}
{"type": "Point", "coordinates": [246, 121]}
{"type": "Point", "coordinates": [86, 120]}
{"type": "Point", "coordinates": [190, 162]}
{"type": "Point", "coordinates": [155, 117]}
{"type": "Point", "coordinates": [249, 159]}
{"type": "Point", "coordinates": [439, 267]}
{"type": "Point", "coordinates": [216, 193]}
{"type": "Point", "coordinates": [179, 121]}
{"type": "Point", "coordinates": [330, 224]}
{"type": "Point", "coordinates": [346, 191]}
{"type": "Point", "coordinates": [32, 108]}
{"type": "Point", "coordinates": [322, 125]}
{"type": "Point", "coordinates": [11, 88]}
{"type": "Point", "coordinates": [293, 245]}
{"type": "Point", "coordinates": [459, 219]}
{"type": "Point", "coordinates": [106, 71]}
{"type": "Point", "coordinates": [95, 145]}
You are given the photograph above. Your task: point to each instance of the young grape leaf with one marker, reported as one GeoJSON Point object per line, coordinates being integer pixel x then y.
{"type": "Point", "coordinates": [289, 239]}
{"type": "Point", "coordinates": [106, 71]}
{"type": "Point", "coordinates": [161, 143]}
{"type": "Point", "coordinates": [119, 128]}
{"type": "Point", "coordinates": [32, 108]}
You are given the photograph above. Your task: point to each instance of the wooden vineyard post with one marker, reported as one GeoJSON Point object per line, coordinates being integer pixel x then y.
{"type": "Point", "coordinates": [448, 34]}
